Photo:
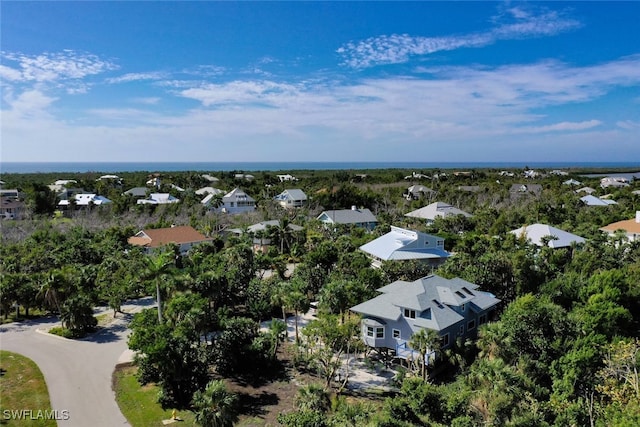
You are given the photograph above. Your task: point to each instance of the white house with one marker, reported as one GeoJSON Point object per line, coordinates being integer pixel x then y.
{"type": "Point", "coordinates": [237, 201]}
{"type": "Point", "coordinates": [615, 181]}
{"type": "Point", "coordinates": [293, 198]}
{"type": "Point", "coordinates": [85, 200]}
{"type": "Point", "coordinates": [437, 210]}
{"type": "Point", "coordinates": [536, 233]}
{"type": "Point", "coordinates": [401, 244]}
{"type": "Point", "coordinates": [286, 177]}
{"type": "Point", "coordinates": [159, 199]}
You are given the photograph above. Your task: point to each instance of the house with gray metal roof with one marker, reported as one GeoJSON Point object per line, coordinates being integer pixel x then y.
{"type": "Point", "coordinates": [237, 201]}
{"type": "Point", "coordinates": [359, 217]}
{"type": "Point", "coordinates": [293, 198]}
{"type": "Point", "coordinates": [591, 200]}
{"type": "Point", "coordinates": [418, 191]}
{"type": "Point", "coordinates": [437, 210]}
{"type": "Point", "coordinates": [451, 307]}
{"type": "Point", "coordinates": [401, 244]}
{"type": "Point", "coordinates": [542, 234]}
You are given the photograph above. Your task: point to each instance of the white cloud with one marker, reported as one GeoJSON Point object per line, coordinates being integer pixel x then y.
{"type": "Point", "coordinates": [50, 67]}
{"type": "Point", "coordinates": [561, 127]}
{"type": "Point", "coordinates": [152, 100]}
{"type": "Point", "coordinates": [133, 77]}
{"type": "Point", "coordinates": [628, 125]}
{"type": "Point", "coordinates": [393, 49]}
{"type": "Point", "coordinates": [29, 105]}
{"type": "Point", "coordinates": [454, 111]}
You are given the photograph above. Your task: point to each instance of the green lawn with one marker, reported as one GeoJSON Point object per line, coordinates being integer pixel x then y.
{"type": "Point", "coordinates": [23, 391]}
{"type": "Point", "coordinates": [139, 403]}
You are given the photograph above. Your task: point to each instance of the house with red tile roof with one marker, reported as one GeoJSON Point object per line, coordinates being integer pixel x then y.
{"type": "Point", "coordinates": [631, 228]}
{"type": "Point", "coordinates": [153, 238]}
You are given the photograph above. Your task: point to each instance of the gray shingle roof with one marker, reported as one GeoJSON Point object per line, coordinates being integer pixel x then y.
{"type": "Point", "coordinates": [432, 297]}
{"type": "Point", "coordinates": [348, 216]}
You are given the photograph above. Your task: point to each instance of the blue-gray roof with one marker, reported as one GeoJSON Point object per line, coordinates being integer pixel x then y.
{"type": "Point", "coordinates": [348, 216]}
{"type": "Point", "coordinates": [432, 297]}
{"type": "Point", "coordinates": [293, 194]}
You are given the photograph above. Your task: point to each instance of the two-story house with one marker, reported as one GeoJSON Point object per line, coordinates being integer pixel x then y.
{"type": "Point", "coordinates": [294, 198]}
{"type": "Point", "coordinates": [451, 307]}
{"type": "Point", "coordinates": [237, 201]}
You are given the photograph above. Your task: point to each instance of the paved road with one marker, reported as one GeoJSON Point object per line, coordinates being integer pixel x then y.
{"type": "Point", "coordinates": [78, 372]}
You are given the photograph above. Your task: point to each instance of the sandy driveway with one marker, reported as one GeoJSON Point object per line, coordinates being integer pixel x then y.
{"type": "Point", "coordinates": [78, 372]}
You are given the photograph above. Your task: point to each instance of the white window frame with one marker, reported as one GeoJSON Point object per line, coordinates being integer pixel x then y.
{"type": "Point", "coordinates": [396, 334]}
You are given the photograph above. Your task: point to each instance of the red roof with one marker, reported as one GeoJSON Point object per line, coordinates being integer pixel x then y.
{"type": "Point", "coordinates": [156, 237]}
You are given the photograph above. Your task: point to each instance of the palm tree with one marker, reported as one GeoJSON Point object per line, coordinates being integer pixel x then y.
{"type": "Point", "coordinates": [425, 341]}
{"type": "Point", "coordinates": [159, 267]}
{"type": "Point", "coordinates": [492, 338]}
{"type": "Point", "coordinates": [215, 406]}
{"type": "Point", "coordinates": [277, 333]}
{"type": "Point", "coordinates": [312, 397]}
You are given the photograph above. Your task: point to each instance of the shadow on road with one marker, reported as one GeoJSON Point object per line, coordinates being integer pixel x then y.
{"type": "Point", "coordinates": [111, 333]}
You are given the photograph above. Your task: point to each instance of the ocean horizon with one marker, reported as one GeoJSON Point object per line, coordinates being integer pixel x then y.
{"type": "Point", "coordinates": [115, 167]}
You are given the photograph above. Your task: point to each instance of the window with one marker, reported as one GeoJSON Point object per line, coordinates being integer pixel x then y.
{"type": "Point", "coordinates": [461, 332]}
{"type": "Point", "coordinates": [409, 313]}
{"type": "Point", "coordinates": [445, 340]}
{"type": "Point", "coordinates": [471, 325]}
{"type": "Point", "coordinates": [375, 332]}
{"type": "Point", "coordinates": [460, 294]}
{"type": "Point", "coordinates": [463, 307]}
{"type": "Point", "coordinates": [396, 333]}
{"type": "Point", "coordinates": [482, 320]}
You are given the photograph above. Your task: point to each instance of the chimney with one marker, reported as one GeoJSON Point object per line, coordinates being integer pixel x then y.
{"type": "Point", "coordinates": [638, 217]}
{"type": "Point", "coordinates": [354, 208]}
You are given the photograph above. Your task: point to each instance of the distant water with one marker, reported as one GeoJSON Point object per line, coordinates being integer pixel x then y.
{"type": "Point", "coordinates": [115, 167]}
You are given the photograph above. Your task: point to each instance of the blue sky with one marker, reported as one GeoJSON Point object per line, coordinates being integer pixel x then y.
{"type": "Point", "coordinates": [320, 81]}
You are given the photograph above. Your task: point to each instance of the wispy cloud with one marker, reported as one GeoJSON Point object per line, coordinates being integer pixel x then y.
{"type": "Point", "coordinates": [398, 48]}
{"type": "Point", "coordinates": [560, 127]}
{"type": "Point", "coordinates": [134, 77]}
{"type": "Point", "coordinates": [52, 67]}
{"type": "Point", "coordinates": [152, 100]}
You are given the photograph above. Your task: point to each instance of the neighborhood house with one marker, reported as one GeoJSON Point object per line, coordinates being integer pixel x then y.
{"type": "Point", "coordinates": [184, 236]}
{"type": "Point", "coordinates": [401, 244]}
{"type": "Point", "coordinates": [451, 307]}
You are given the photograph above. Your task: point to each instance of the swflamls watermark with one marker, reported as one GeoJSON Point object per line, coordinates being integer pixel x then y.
{"type": "Point", "coordinates": [35, 414]}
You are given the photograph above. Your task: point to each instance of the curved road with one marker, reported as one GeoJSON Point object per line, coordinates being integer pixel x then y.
{"type": "Point", "coordinates": [78, 372]}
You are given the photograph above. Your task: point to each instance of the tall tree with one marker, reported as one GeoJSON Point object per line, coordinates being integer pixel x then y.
{"type": "Point", "coordinates": [159, 266]}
